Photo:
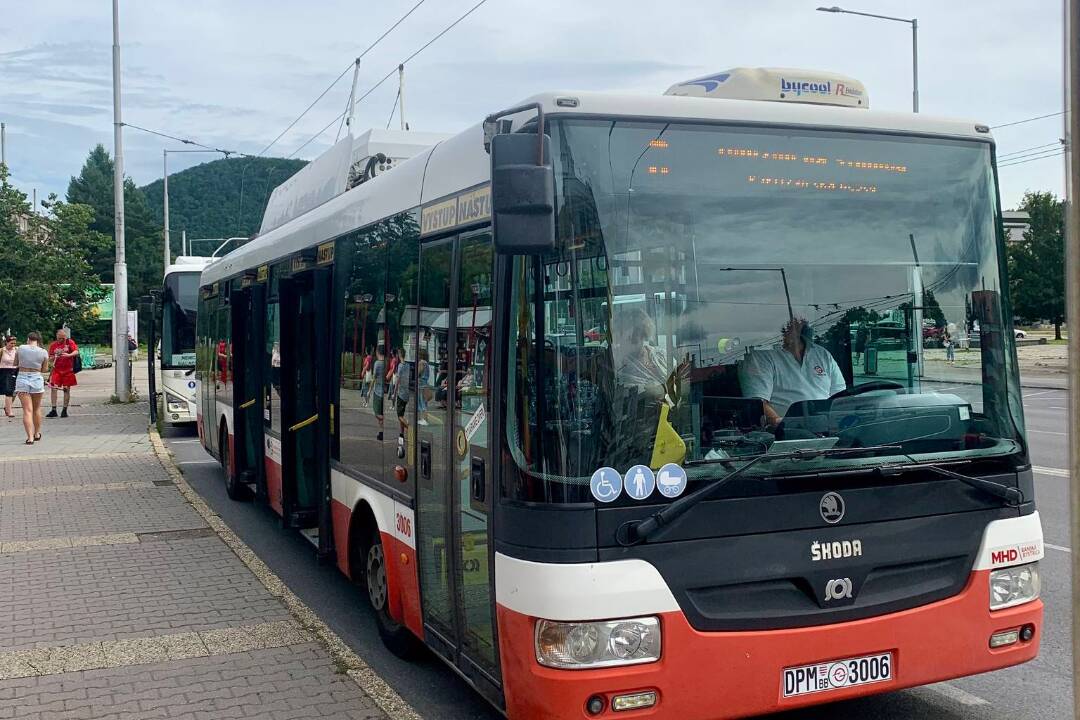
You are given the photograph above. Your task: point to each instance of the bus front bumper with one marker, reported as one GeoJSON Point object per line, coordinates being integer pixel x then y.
{"type": "Point", "coordinates": [716, 675]}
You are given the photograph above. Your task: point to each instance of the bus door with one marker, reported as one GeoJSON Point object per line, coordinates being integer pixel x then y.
{"type": "Point", "coordinates": [305, 350]}
{"type": "Point", "coordinates": [454, 471]}
{"type": "Point", "coordinates": [247, 326]}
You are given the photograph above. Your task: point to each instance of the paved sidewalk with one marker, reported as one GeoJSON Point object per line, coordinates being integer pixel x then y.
{"type": "Point", "coordinates": [123, 596]}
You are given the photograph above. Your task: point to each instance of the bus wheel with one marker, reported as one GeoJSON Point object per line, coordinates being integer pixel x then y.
{"type": "Point", "coordinates": [397, 638]}
{"type": "Point", "coordinates": [233, 487]}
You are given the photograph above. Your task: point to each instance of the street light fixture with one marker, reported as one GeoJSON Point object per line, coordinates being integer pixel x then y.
{"type": "Point", "coordinates": [914, 23]}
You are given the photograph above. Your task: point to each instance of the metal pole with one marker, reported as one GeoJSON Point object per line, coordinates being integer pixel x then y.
{"type": "Point", "coordinates": [165, 196]}
{"type": "Point", "coordinates": [33, 206]}
{"type": "Point", "coordinates": [401, 95]}
{"type": "Point", "coordinates": [183, 242]}
{"type": "Point", "coordinates": [3, 144]}
{"type": "Point", "coordinates": [1072, 308]}
{"type": "Point", "coordinates": [121, 369]}
{"type": "Point", "coordinates": [915, 64]}
{"type": "Point", "coordinates": [352, 95]}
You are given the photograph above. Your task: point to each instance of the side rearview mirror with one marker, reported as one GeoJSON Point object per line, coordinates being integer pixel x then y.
{"type": "Point", "coordinates": [522, 193]}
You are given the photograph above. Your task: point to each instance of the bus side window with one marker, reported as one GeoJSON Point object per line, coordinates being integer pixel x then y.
{"type": "Point", "coordinates": [362, 261]}
{"type": "Point", "coordinates": [272, 358]}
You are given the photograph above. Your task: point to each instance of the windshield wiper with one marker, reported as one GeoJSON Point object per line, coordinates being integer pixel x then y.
{"type": "Point", "coordinates": [637, 531]}
{"type": "Point", "coordinates": [1011, 495]}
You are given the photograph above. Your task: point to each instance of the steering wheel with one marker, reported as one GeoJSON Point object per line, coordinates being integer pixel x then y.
{"type": "Point", "coordinates": [868, 387]}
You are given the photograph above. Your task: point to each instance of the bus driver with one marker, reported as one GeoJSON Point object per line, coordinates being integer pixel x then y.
{"type": "Point", "coordinates": [799, 370]}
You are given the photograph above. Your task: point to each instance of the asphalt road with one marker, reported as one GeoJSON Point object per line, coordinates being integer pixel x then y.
{"type": "Point", "coordinates": [1036, 691]}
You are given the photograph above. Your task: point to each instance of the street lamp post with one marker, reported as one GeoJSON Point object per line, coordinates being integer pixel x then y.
{"type": "Point", "coordinates": [122, 370]}
{"type": "Point", "coordinates": [165, 194]}
{"type": "Point", "coordinates": [914, 23]}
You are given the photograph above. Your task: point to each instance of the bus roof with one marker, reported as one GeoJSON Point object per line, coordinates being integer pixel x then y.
{"type": "Point", "coordinates": [461, 162]}
{"type": "Point", "coordinates": [187, 263]}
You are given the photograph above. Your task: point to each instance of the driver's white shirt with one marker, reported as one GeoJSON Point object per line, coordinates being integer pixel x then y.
{"type": "Point", "coordinates": [776, 376]}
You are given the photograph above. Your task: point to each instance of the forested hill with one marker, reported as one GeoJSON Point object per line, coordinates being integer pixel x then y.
{"type": "Point", "coordinates": [205, 199]}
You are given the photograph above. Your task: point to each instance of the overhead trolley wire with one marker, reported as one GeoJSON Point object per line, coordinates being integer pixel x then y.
{"type": "Point", "coordinates": [1052, 153]}
{"type": "Point", "coordinates": [390, 74]}
{"type": "Point", "coordinates": [184, 141]}
{"type": "Point", "coordinates": [307, 109]}
{"type": "Point", "coordinates": [1027, 120]}
{"type": "Point", "coordinates": [1003, 156]}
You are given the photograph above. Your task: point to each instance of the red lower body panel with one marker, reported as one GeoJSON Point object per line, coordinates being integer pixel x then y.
{"type": "Point", "coordinates": [273, 485]}
{"type": "Point", "coordinates": [404, 586]}
{"type": "Point", "coordinates": [716, 675]}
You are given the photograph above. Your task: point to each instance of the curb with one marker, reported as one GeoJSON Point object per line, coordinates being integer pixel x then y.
{"type": "Point", "coordinates": [343, 656]}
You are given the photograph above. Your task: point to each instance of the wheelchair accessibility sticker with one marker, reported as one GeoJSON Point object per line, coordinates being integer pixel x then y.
{"type": "Point", "coordinates": [606, 484]}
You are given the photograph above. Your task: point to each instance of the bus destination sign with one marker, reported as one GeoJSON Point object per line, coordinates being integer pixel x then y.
{"type": "Point", "coordinates": [464, 208]}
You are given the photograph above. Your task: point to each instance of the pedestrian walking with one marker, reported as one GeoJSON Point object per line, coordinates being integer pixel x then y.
{"type": "Point", "coordinates": [378, 388]}
{"type": "Point", "coordinates": [63, 353]}
{"type": "Point", "coordinates": [950, 350]}
{"type": "Point", "coordinates": [9, 368]}
{"type": "Point", "coordinates": [33, 362]}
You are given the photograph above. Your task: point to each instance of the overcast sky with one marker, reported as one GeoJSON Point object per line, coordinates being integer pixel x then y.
{"type": "Point", "coordinates": [234, 74]}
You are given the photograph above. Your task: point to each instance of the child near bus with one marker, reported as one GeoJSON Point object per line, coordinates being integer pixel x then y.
{"type": "Point", "coordinates": [378, 387]}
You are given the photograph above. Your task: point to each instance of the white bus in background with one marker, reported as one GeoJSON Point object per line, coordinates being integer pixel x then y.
{"type": "Point", "coordinates": [179, 299]}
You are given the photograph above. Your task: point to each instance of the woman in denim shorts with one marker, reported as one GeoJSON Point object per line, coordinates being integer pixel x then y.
{"type": "Point", "coordinates": [33, 361]}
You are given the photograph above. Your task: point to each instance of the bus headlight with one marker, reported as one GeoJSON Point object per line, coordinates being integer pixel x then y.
{"type": "Point", "coordinates": [1014, 585]}
{"type": "Point", "coordinates": [573, 646]}
{"type": "Point", "coordinates": [174, 403]}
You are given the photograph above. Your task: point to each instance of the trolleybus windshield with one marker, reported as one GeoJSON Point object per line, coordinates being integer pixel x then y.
{"type": "Point", "coordinates": [685, 253]}
{"type": "Point", "coordinates": [179, 306]}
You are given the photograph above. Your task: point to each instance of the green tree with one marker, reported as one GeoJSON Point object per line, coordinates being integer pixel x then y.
{"type": "Point", "coordinates": [1037, 265]}
{"type": "Point", "coordinates": [142, 233]}
{"type": "Point", "coordinates": [47, 280]}
{"type": "Point", "coordinates": [220, 199]}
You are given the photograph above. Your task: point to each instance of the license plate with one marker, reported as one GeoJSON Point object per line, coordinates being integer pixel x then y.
{"type": "Point", "coordinates": [837, 674]}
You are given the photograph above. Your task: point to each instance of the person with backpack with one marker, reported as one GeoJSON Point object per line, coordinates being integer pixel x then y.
{"type": "Point", "coordinates": [64, 354]}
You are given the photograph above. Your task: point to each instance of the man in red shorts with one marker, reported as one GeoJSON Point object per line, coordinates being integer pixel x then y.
{"type": "Point", "coordinates": [62, 353]}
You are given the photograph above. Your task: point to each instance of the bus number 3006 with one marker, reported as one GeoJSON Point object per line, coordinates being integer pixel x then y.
{"type": "Point", "coordinates": [404, 525]}
{"type": "Point", "coordinates": [835, 675]}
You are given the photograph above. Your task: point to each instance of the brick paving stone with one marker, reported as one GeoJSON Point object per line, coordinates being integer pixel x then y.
{"type": "Point", "coordinates": [188, 688]}
{"type": "Point", "coordinates": [144, 509]}
{"type": "Point", "coordinates": [164, 621]}
{"type": "Point", "coordinates": [114, 592]}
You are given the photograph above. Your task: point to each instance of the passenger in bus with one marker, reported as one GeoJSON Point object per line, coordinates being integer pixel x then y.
{"type": "Point", "coordinates": [638, 363]}
{"type": "Point", "coordinates": [424, 392]}
{"type": "Point", "coordinates": [798, 370]}
{"type": "Point", "coordinates": [378, 387]}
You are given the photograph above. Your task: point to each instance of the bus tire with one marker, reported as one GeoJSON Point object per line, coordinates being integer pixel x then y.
{"type": "Point", "coordinates": [397, 638]}
{"type": "Point", "coordinates": [233, 487]}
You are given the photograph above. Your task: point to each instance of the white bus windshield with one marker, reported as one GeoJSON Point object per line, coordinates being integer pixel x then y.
{"type": "Point", "coordinates": [179, 304]}
{"type": "Point", "coordinates": [718, 290]}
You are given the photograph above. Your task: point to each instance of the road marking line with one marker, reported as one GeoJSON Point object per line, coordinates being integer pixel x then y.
{"type": "Point", "coordinates": [85, 487]}
{"type": "Point", "coordinates": [954, 693]}
{"type": "Point", "coordinates": [17, 546]}
{"type": "Point", "coordinates": [1056, 472]}
{"type": "Point", "coordinates": [1047, 432]}
{"type": "Point", "coordinates": [143, 651]}
{"type": "Point", "coordinates": [361, 673]}
{"type": "Point", "coordinates": [1044, 392]}
{"type": "Point", "coordinates": [1062, 548]}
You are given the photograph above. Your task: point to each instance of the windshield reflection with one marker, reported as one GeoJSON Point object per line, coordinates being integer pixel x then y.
{"type": "Point", "coordinates": [721, 292]}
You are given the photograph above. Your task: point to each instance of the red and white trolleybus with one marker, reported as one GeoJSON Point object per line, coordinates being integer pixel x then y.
{"type": "Point", "coordinates": [627, 405]}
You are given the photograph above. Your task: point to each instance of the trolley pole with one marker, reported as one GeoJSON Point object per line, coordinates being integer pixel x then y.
{"type": "Point", "coordinates": [121, 368]}
{"type": "Point", "coordinates": [1072, 308]}
{"type": "Point", "coordinates": [3, 144]}
{"type": "Point", "coordinates": [165, 209]}
{"type": "Point", "coordinates": [401, 96]}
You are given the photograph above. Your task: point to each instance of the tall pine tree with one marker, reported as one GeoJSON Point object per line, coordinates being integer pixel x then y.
{"type": "Point", "coordinates": [142, 234]}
